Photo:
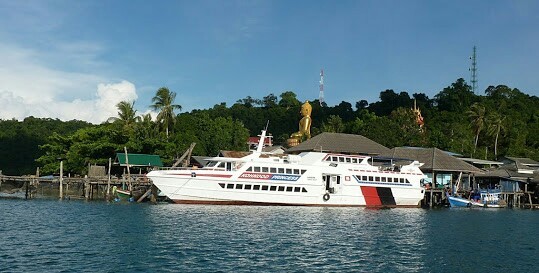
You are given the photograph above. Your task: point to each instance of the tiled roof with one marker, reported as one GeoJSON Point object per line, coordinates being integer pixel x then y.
{"type": "Point", "coordinates": [340, 143]}
{"type": "Point", "coordinates": [434, 159]}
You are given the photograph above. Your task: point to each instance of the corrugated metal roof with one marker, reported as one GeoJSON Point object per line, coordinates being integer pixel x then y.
{"type": "Point", "coordinates": [524, 163]}
{"type": "Point", "coordinates": [139, 160]}
{"type": "Point", "coordinates": [433, 159]}
{"type": "Point", "coordinates": [480, 161]}
{"type": "Point", "coordinates": [340, 143]}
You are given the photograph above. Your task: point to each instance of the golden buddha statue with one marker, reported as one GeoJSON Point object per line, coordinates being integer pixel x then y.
{"type": "Point", "coordinates": [304, 126]}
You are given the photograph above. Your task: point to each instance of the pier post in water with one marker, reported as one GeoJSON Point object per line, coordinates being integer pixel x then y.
{"type": "Point", "coordinates": [61, 179]}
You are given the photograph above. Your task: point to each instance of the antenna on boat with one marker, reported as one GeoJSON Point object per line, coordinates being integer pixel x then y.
{"type": "Point", "coordinates": [262, 139]}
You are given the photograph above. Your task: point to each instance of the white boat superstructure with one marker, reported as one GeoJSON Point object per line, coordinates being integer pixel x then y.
{"type": "Point", "coordinates": [308, 179]}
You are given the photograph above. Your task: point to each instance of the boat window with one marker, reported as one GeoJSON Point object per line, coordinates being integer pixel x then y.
{"type": "Point", "coordinates": [289, 188]}
{"type": "Point", "coordinates": [281, 170]}
{"type": "Point", "coordinates": [230, 186]}
{"type": "Point", "coordinates": [296, 171]}
{"type": "Point", "coordinates": [401, 180]}
{"type": "Point", "coordinates": [328, 158]}
{"type": "Point", "coordinates": [265, 169]}
{"type": "Point", "coordinates": [303, 190]}
{"type": "Point", "coordinates": [222, 185]}
{"type": "Point", "coordinates": [273, 188]}
{"type": "Point", "coordinates": [297, 189]}
{"type": "Point", "coordinates": [239, 186]}
{"type": "Point", "coordinates": [390, 179]}
{"type": "Point", "coordinates": [289, 171]}
{"type": "Point", "coordinates": [303, 171]}
{"type": "Point", "coordinates": [364, 178]}
{"type": "Point", "coordinates": [273, 170]}
{"type": "Point", "coordinates": [229, 166]}
{"type": "Point", "coordinates": [265, 188]}
{"type": "Point", "coordinates": [341, 159]}
{"type": "Point", "coordinates": [377, 179]}
{"type": "Point", "coordinates": [383, 179]}
{"type": "Point", "coordinates": [348, 160]}
{"type": "Point", "coordinates": [371, 178]}
{"type": "Point", "coordinates": [407, 182]}
{"type": "Point", "coordinates": [247, 187]}
{"type": "Point", "coordinates": [281, 188]}
{"type": "Point", "coordinates": [354, 160]}
{"type": "Point", "coordinates": [249, 169]}
{"type": "Point", "coordinates": [256, 187]}
{"type": "Point", "coordinates": [257, 169]}
{"type": "Point", "coordinates": [334, 158]}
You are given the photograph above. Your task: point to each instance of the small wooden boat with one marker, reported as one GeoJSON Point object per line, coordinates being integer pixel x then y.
{"type": "Point", "coordinates": [484, 199]}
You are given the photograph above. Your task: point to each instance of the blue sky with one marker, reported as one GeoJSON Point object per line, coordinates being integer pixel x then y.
{"type": "Point", "coordinates": [77, 59]}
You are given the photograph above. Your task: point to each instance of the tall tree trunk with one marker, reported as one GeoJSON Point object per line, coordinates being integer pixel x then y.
{"type": "Point", "coordinates": [496, 144]}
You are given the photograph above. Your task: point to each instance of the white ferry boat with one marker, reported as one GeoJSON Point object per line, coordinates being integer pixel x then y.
{"type": "Point", "coordinates": [307, 179]}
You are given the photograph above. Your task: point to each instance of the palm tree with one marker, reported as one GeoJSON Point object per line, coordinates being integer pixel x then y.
{"type": "Point", "coordinates": [477, 115]}
{"type": "Point", "coordinates": [494, 126]}
{"type": "Point", "coordinates": [127, 115]}
{"type": "Point", "coordinates": [163, 102]}
{"type": "Point", "coordinates": [147, 127]}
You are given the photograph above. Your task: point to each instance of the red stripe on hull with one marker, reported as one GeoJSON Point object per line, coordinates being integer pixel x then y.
{"type": "Point", "coordinates": [371, 196]}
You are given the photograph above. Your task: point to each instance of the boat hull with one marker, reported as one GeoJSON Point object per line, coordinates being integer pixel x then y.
{"type": "Point", "coordinates": [217, 190]}
{"type": "Point", "coordinates": [458, 202]}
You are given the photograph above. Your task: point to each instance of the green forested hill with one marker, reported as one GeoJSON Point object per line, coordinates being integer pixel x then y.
{"type": "Point", "coordinates": [502, 121]}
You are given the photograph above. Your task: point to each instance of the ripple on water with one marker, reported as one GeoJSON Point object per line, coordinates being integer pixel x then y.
{"type": "Point", "coordinates": [76, 236]}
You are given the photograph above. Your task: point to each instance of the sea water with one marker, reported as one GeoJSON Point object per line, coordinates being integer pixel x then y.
{"type": "Point", "coordinates": [44, 235]}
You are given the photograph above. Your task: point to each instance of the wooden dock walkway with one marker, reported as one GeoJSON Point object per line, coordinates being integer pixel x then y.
{"type": "Point", "coordinates": [89, 188]}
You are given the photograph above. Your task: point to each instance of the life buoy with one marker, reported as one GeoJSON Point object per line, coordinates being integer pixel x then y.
{"type": "Point", "coordinates": [326, 196]}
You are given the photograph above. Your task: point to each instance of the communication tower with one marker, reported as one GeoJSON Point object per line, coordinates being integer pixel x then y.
{"type": "Point", "coordinates": [321, 95]}
{"type": "Point", "coordinates": [473, 70]}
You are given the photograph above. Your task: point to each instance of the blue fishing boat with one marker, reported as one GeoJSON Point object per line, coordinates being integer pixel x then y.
{"type": "Point", "coordinates": [483, 199]}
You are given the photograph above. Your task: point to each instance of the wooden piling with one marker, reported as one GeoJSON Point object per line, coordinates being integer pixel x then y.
{"type": "Point", "coordinates": [61, 179]}
{"type": "Point", "coordinates": [107, 195]}
{"type": "Point", "coordinates": [86, 188]}
{"type": "Point", "coordinates": [153, 198]}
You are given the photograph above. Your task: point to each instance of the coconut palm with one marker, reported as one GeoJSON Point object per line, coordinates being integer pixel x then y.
{"type": "Point", "coordinates": [127, 115]}
{"type": "Point", "coordinates": [164, 103]}
{"type": "Point", "coordinates": [495, 124]}
{"type": "Point", "coordinates": [477, 115]}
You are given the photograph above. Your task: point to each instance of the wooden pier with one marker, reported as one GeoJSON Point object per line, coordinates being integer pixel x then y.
{"type": "Point", "coordinates": [89, 188]}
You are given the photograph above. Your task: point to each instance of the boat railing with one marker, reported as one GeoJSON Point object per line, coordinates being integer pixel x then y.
{"type": "Point", "coordinates": [190, 168]}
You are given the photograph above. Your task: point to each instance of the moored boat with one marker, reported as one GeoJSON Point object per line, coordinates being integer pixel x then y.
{"type": "Point", "coordinates": [484, 199]}
{"type": "Point", "coordinates": [307, 179]}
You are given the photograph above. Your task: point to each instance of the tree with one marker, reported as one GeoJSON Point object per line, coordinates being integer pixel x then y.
{"type": "Point", "coordinates": [455, 98]}
{"type": "Point", "coordinates": [269, 101]}
{"type": "Point", "coordinates": [333, 124]}
{"type": "Point", "coordinates": [362, 104]}
{"type": "Point", "coordinates": [288, 100]}
{"type": "Point", "coordinates": [163, 101]}
{"type": "Point", "coordinates": [495, 124]}
{"type": "Point", "coordinates": [477, 115]}
{"type": "Point", "coordinates": [127, 115]}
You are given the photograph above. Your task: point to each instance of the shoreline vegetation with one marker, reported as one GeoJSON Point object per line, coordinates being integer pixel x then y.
{"type": "Point", "coordinates": [501, 122]}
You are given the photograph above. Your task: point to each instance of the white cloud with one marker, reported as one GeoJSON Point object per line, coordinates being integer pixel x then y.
{"type": "Point", "coordinates": [95, 110]}
{"type": "Point", "coordinates": [32, 84]}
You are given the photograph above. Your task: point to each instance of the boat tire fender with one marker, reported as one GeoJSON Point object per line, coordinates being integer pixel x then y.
{"type": "Point", "coordinates": [326, 196]}
{"type": "Point", "coordinates": [469, 204]}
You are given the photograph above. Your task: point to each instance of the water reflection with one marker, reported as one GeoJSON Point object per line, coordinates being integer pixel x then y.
{"type": "Point", "coordinates": [293, 237]}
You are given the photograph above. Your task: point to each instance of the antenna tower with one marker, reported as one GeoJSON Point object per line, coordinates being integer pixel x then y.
{"type": "Point", "coordinates": [473, 70]}
{"type": "Point", "coordinates": [321, 95]}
